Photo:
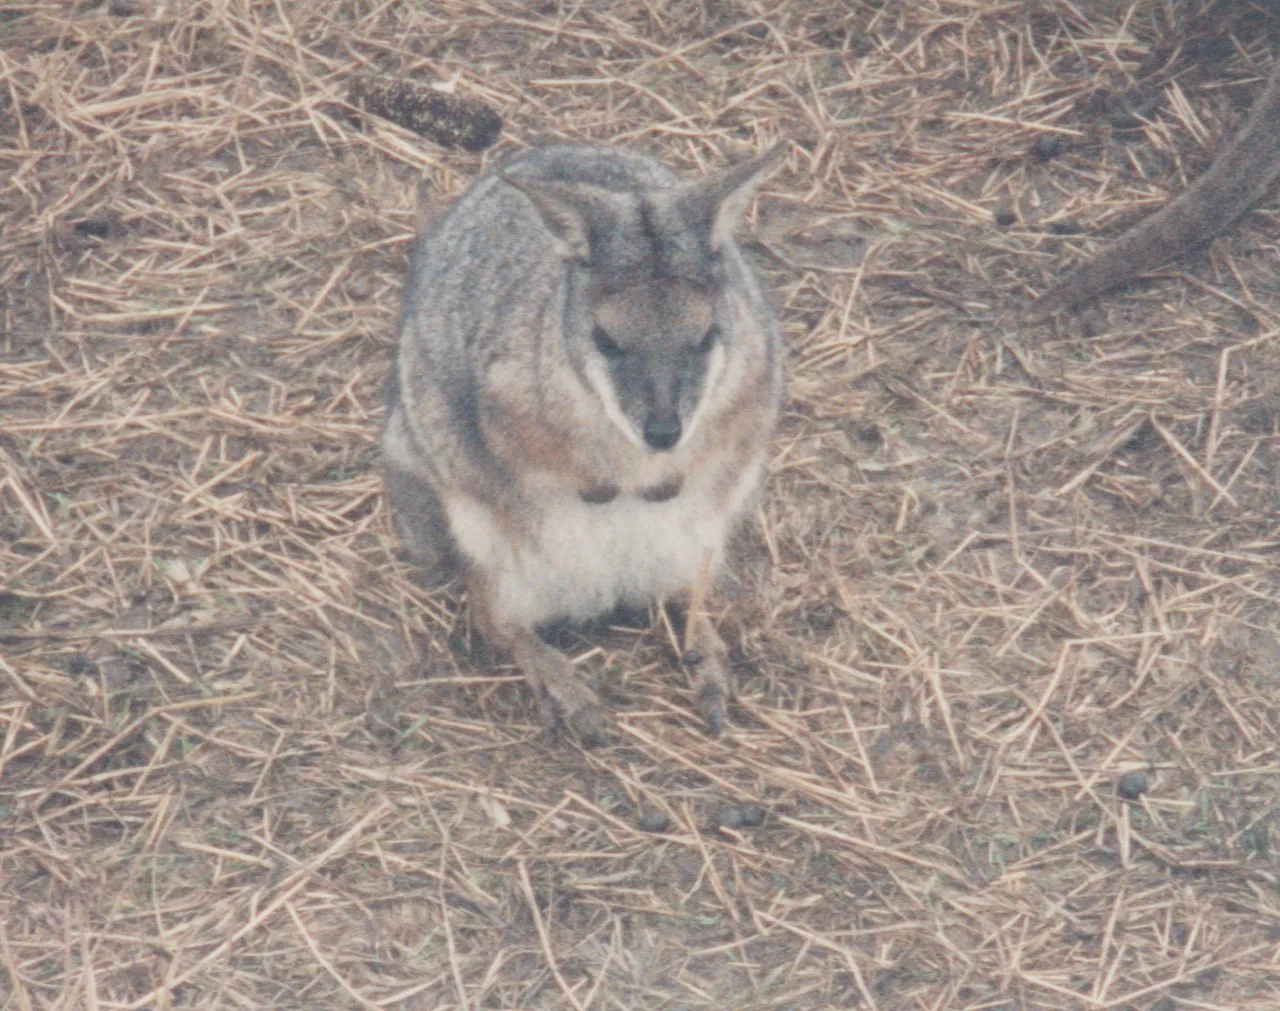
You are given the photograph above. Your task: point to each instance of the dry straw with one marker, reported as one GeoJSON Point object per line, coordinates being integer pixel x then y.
{"type": "Point", "coordinates": [1006, 635]}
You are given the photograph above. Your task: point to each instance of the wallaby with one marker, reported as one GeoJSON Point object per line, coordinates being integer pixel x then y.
{"type": "Point", "coordinates": [581, 408]}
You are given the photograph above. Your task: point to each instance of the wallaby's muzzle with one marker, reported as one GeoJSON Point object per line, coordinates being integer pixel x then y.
{"type": "Point", "coordinates": [662, 433]}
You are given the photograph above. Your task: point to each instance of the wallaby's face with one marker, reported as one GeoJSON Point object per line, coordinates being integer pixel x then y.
{"type": "Point", "coordinates": [652, 352]}
{"type": "Point", "coordinates": [647, 322]}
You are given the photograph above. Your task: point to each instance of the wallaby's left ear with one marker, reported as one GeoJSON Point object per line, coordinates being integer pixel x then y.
{"type": "Point", "coordinates": [573, 214]}
{"type": "Point", "coordinates": [718, 202]}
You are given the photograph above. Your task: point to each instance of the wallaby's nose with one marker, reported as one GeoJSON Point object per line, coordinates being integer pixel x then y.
{"type": "Point", "coordinates": [662, 433]}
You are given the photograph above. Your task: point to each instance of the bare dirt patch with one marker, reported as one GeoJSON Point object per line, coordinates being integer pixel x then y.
{"type": "Point", "coordinates": [1007, 636]}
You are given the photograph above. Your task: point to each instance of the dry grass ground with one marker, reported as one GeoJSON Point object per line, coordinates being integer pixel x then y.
{"type": "Point", "coordinates": [1008, 638]}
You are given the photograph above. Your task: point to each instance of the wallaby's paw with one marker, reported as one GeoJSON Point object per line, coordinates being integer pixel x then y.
{"type": "Point", "coordinates": [589, 727]}
{"type": "Point", "coordinates": [707, 661]}
{"type": "Point", "coordinates": [712, 705]}
{"type": "Point", "coordinates": [566, 700]}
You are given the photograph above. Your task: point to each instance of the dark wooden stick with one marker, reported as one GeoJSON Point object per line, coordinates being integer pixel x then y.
{"type": "Point", "coordinates": [448, 119]}
{"type": "Point", "coordinates": [1238, 176]}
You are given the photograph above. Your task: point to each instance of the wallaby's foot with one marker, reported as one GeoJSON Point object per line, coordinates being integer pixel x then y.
{"type": "Point", "coordinates": [708, 661]}
{"type": "Point", "coordinates": [420, 522]}
{"type": "Point", "coordinates": [564, 697]}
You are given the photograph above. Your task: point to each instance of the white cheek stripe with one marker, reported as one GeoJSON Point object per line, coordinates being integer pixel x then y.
{"type": "Point", "coordinates": [716, 365]}
{"type": "Point", "coordinates": [598, 377]}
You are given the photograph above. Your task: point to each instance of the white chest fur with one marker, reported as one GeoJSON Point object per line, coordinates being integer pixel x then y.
{"type": "Point", "coordinates": [580, 559]}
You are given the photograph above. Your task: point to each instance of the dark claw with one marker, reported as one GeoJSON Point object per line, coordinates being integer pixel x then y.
{"type": "Point", "coordinates": [711, 705]}
{"type": "Point", "coordinates": [590, 731]}
{"type": "Point", "coordinates": [550, 715]}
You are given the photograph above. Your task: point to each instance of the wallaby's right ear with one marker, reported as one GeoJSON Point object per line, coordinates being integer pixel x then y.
{"type": "Point", "coordinates": [719, 202]}
{"type": "Point", "coordinates": [567, 210]}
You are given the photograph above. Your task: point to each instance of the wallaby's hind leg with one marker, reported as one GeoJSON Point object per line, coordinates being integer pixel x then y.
{"type": "Point", "coordinates": [563, 695]}
{"type": "Point", "coordinates": [708, 661]}
{"type": "Point", "coordinates": [421, 523]}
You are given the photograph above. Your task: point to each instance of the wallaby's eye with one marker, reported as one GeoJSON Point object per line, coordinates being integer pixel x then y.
{"type": "Point", "coordinates": [708, 339]}
{"type": "Point", "coordinates": [605, 344]}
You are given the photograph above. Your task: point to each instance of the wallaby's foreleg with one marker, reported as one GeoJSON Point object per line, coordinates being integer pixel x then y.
{"type": "Point", "coordinates": [563, 695]}
{"type": "Point", "coordinates": [708, 661]}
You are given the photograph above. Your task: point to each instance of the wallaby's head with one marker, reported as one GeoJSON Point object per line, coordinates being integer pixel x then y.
{"type": "Point", "coordinates": [651, 313]}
